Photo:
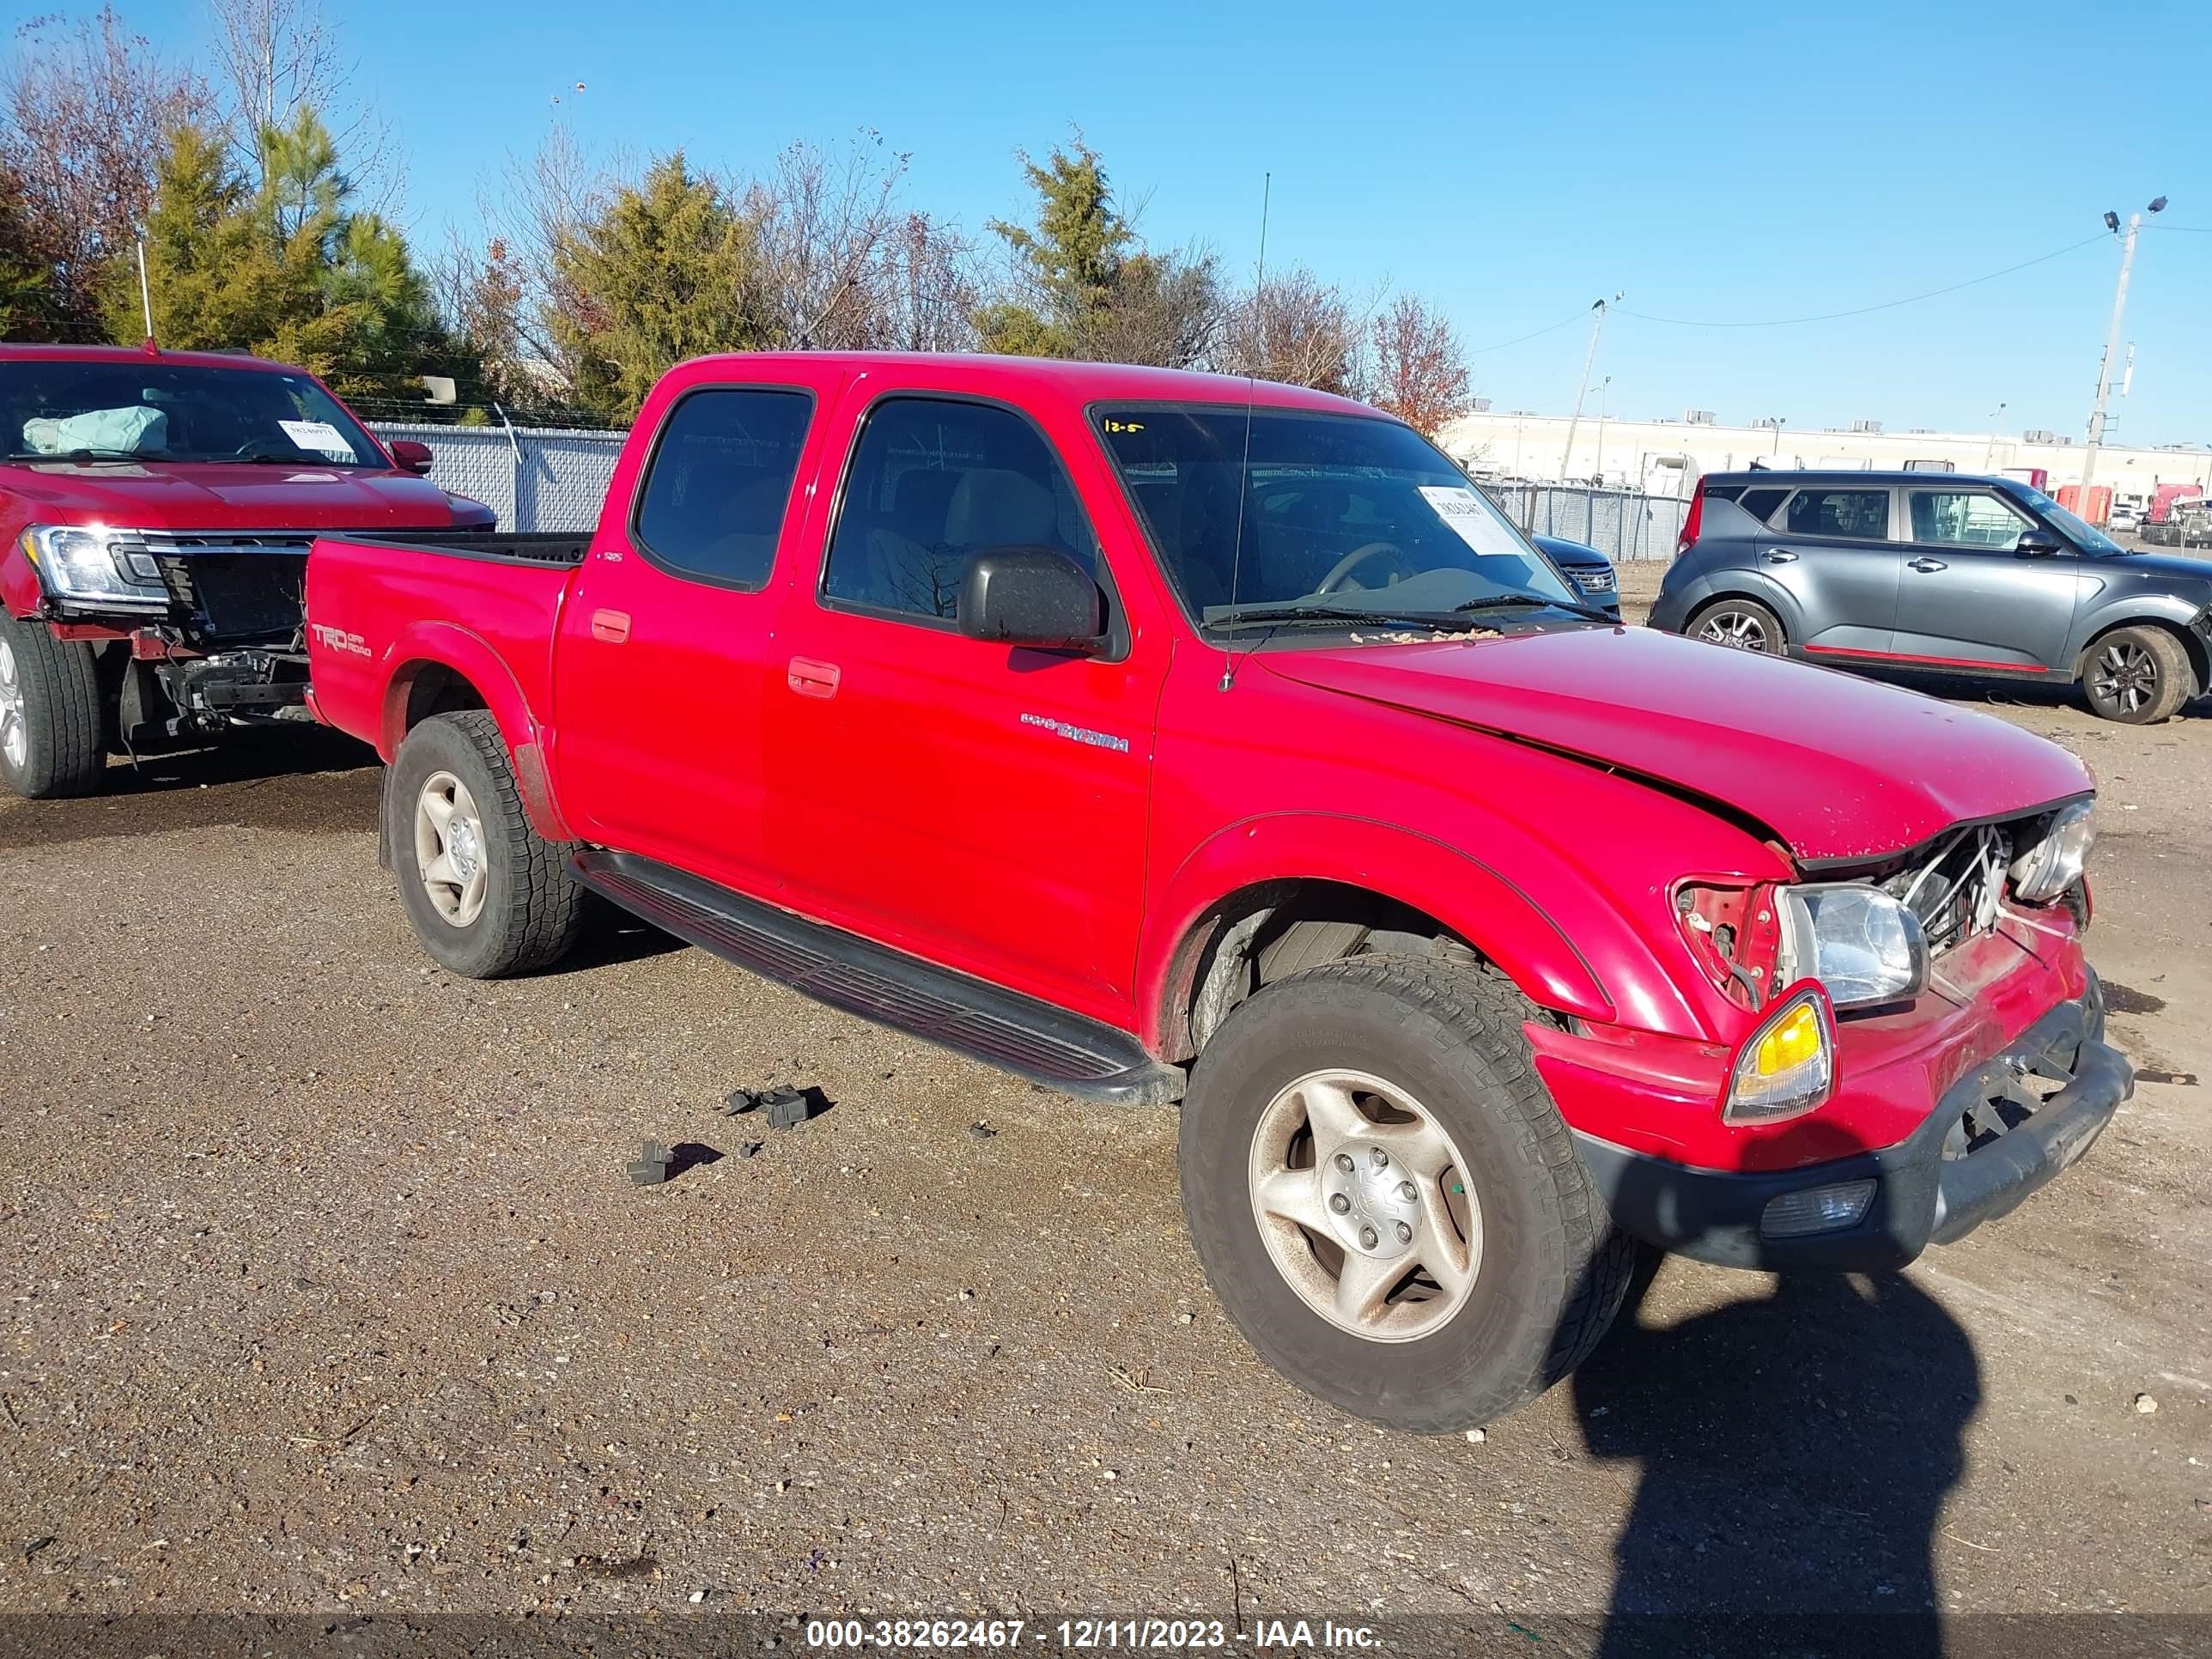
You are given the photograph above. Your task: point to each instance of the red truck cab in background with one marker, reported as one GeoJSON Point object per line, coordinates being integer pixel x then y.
{"type": "Point", "coordinates": [155, 510]}
{"type": "Point", "coordinates": [1161, 736]}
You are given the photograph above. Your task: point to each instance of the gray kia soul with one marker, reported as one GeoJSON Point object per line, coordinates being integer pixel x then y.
{"type": "Point", "coordinates": [1943, 573]}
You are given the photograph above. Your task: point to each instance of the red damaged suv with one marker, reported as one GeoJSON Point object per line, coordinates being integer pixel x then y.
{"type": "Point", "coordinates": [1165, 739]}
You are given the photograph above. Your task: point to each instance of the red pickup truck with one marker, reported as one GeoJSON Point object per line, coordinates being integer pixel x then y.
{"type": "Point", "coordinates": [1163, 738]}
{"type": "Point", "coordinates": [155, 509]}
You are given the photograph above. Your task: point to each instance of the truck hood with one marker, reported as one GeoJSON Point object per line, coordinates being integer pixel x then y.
{"type": "Point", "coordinates": [1838, 768]}
{"type": "Point", "coordinates": [226, 495]}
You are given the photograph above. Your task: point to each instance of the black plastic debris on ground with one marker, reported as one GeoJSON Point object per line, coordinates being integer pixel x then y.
{"type": "Point", "coordinates": [787, 1106]}
{"type": "Point", "coordinates": [980, 1132]}
{"type": "Point", "coordinates": [656, 1163]}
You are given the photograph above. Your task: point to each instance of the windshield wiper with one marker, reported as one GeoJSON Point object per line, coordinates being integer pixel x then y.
{"type": "Point", "coordinates": [1530, 601]}
{"type": "Point", "coordinates": [84, 454]}
{"type": "Point", "coordinates": [1244, 615]}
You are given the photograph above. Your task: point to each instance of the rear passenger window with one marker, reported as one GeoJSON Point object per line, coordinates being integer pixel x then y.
{"type": "Point", "coordinates": [1853, 514]}
{"type": "Point", "coordinates": [1761, 503]}
{"type": "Point", "coordinates": [713, 501]}
{"type": "Point", "coordinates": [933, 480]}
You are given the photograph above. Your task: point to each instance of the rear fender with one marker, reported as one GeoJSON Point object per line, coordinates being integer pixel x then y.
{"type": "Point", "coordinates": [425, 645]}
{"type": "Point", "coordinates": [1481, 904]}
{"type": "Point", "coordinates": [1746, 581]}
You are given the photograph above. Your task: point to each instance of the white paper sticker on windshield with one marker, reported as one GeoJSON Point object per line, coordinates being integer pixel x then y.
{"type": "Point", "coordinates": [321, 437]}
{"type": "Point", "coordinates": [1457, 506]}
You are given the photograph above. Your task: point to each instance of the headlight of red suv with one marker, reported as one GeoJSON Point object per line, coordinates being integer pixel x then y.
{"type": "Point", "coordinates": [79, 565]}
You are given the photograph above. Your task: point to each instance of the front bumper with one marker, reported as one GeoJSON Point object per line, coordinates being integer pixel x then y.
{"type": "Point", "coordinates": [1993, 1138]}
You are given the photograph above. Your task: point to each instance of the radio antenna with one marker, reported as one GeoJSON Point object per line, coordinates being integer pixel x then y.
{"type": "Point", "coordinates": [1251, 394]}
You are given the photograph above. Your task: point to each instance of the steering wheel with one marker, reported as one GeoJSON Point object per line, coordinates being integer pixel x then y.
{"type": "Point", "coordinates": [1359, 556]}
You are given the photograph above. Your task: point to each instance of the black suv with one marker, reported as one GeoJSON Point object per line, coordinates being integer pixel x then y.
{"type": "Point", "coordinates": [1940, 572]}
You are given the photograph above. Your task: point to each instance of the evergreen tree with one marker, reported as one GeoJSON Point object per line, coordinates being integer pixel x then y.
{"type": "Point", "coordinates": [662, 272]}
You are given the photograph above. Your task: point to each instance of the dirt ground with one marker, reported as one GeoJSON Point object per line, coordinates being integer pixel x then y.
{"type": "Point", "coordinates": [326, 1292]}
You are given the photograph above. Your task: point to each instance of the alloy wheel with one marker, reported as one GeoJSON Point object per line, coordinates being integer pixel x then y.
{"type": "Point", "coordinates": [1365, 1205]}
{"type": "Point", "coordinates": [449, 848]}
{"type": "Point", "coordinates": [2125, 676]}
{"type": "Point", "coordinates": [14, 728]}
{"type": "Point", "coordinates": [1738, 629]}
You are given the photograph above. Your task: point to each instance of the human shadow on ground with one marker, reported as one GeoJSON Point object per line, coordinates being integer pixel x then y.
{"type": "Point", "coordinates": [1792, 1453]}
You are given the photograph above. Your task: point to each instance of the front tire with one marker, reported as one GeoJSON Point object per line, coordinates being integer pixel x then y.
{"type": "Point", "coordinates": [1740, 624]}
{"type": "Point", "coordinates": [2137, 676]}
{"type": "Point", "coordinates": [1387, 1202]}
{"type": "Point", "coordinates": [488, 897]}
{"type": "Point", "coordinates": [50, 714]}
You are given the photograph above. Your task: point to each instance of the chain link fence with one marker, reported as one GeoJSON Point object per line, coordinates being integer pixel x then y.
{"type": "Point", "coordinates": [1623, 526]}
{"type": "Point", "coordinates": [535, 478]}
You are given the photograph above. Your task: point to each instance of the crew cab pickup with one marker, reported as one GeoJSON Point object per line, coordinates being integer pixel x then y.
{"type": "Point", "coordinates": [1166, 738]}
{"type": "Point", "coordinates": [155, 509]}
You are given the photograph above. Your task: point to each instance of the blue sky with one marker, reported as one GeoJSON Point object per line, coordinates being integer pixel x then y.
{"type": "Point", "coordinates": [1512, 163]}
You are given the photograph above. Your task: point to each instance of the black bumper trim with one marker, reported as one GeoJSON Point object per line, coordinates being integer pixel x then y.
{"type": "Point", "coordinates": [1930, 1189]}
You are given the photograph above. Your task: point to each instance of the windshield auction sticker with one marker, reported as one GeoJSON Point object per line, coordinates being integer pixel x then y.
{"type": "Point", "coordinates": [1457, 507]}
{"type": "Point", "coordinates": [321, 437]}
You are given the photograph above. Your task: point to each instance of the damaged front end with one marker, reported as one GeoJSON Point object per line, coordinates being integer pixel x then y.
{"type": "Point", "coordinates": [201, 630]}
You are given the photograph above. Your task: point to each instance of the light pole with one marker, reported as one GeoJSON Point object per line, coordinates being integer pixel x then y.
{"type": "Point", "coordinates": [1778, 423]}
{"type": "Point", "coordinates": [1598, 471]}
{"type": "Point", "coordinates": [1567, 460]}
{"type": "Point", "coordinates": [1990, 454]}
{"type": "Point", "coordinates": [2112, 344]}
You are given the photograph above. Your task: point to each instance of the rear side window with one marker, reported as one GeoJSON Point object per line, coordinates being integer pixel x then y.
{"type": "Point", "coordinates": [934, 481]}
{"type": "Point", "coordinates": [1761, 503]}
{"type": "Point", "coordinates": [1852, 515]}
{"type": "Point", "coordinates": [712, 502]}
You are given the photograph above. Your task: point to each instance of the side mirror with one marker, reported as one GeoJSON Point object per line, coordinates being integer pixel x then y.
{"type": "Point", "coordinates": [409, 456]}
{"type": "Point", "coordinates": [1030, 596]}
{"type": "Point", "coordinates": [2038, 544]}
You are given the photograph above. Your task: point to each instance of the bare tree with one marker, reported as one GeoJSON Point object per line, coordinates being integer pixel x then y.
{"type": "Point", "coordinates": [930, 286]}
{"type": "Point", "coordinates": [1299, 330]}
{"type": "Point", "coordinates": [825, 224]}
{"type": "Point", "coordinates": [276, 57]}
{"type": "Point", "coordinates": [1421, 373]}
{"type": "Point", "coordinates": [88, 108]}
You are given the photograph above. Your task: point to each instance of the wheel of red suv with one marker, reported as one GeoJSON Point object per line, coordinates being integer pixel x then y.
{"type": "Point", "coordinates": [488, 897]}
{"type": "Point", "coordinates": [1386, 1201]}
{"type": "Point", "coordinates": [2137, 676]}
{"type": "Point", "coordinates": [1743, 625]}
{"type": "Point", "coordinates": [49, 712]}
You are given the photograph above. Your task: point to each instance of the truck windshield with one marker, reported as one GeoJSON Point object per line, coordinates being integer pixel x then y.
{"type": "Point", "coordinates": [128, 409]}
{"type": "Point", "coordinates": [1341, 517]}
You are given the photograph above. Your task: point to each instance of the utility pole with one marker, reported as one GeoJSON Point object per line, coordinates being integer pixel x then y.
{"type": "Point", "coordinates": [1598, 471]}
{"type": "Point", "coordinates": [1582, 391]}
{"type": "Point", "coordinates": [2111, 345]}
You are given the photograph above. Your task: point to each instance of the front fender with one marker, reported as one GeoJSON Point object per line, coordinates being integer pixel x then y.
{"type": "Point", "coordinates": [21, 590]}
{"type": "Point", "coordinates": [2111, 610]}
{"type": "Point", "coordinates": [1480, 902]}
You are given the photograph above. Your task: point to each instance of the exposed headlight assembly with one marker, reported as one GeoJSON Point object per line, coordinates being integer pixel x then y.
{"type": "Point", "coordinates": [1864, 945]}
{"type": "Point", "coordinates": [80, 564]}
{"type": "Point", "coordinates": [2047, 869]}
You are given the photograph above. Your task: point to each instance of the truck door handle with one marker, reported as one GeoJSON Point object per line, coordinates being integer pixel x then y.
{"type": "Point", "coordinates": [612, 626]}
{"type": "Point", "coordinates": [1780, 556]}
{"type": "Point", "coordinates": [1927, 567]}
{"type": "Point", "coordinates": [811, 678]}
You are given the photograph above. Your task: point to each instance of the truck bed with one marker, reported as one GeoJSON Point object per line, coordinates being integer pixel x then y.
{"type": "Point", "coordinates": [487, 604]}
{"type": "Point", "coordinates": [557, 548]}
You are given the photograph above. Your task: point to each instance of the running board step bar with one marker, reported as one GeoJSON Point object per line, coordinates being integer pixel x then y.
{"type": "Point", "coordinates": [1030, 1039]}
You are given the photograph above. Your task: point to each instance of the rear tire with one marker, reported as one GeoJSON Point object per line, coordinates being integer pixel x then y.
{"type": "Point", "coordinates": [488, 897]}
{"type": "Point", "coordinates": [1739, 624]}
{"type": "Point", "coordinates": [50, 714]}
{"type": "Point", "coordinates": [1541, 1269]}
{"type": "Point", "coordinates": [2137, 676]}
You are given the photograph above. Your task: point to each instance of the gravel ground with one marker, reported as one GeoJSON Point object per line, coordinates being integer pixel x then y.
{"type": "Point", "coordinates": [326, 1291]}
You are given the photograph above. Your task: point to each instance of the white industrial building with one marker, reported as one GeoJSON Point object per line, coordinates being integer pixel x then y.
{"type": "Point", "coordinates": [1666, 457]}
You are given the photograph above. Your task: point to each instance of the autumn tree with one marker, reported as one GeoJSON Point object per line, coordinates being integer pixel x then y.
{"type": "Point", "coordinates": [1083, 285]}
{"type": "Point", "coordinates": [1421, 375]}
{"type": "Point", "coordinates": [85, 114]}
{"type": "Point", "coordinates": [26, 265]}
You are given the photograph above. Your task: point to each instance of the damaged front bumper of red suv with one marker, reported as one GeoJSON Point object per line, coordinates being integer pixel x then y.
{"type": "Point", "coordinates": [1944, 1116]}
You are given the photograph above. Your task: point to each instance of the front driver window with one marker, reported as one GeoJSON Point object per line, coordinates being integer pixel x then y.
{"type": "Point", "coordinates": [1960, 517]}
